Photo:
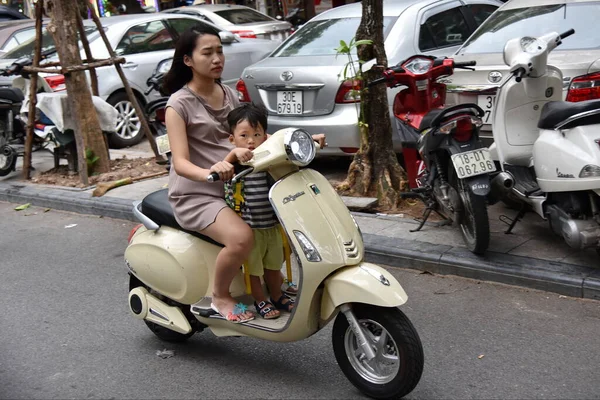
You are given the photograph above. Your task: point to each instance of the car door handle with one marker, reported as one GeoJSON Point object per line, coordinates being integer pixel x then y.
{"type": "Point", "coordinates": [130, 65]}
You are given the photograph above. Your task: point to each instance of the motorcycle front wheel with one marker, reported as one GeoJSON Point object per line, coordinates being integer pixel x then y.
{"type": "Point", "coordinates": [398, 364]}
{"type": "Point", "coordinates": [472, 218]}
{"type": "Point", "coordinates": [8, 159]}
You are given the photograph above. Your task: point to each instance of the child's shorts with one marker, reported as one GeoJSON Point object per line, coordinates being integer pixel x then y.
{"type": "Point", "coordinates": [267, 252]}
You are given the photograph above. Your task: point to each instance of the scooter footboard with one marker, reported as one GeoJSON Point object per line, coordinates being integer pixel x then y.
{"type": "Point", "coordinates": [363, 283]}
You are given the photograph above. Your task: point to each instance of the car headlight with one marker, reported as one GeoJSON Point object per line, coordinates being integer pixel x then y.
{"type": "Point", "coordinates": [164, 66]}
{"type": "Point", "coordinates": [590, 171]}
{"type": "Point", "coordinates": [300, 147]}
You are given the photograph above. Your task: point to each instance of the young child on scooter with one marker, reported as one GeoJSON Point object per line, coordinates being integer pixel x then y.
{"type": "Point", "coordinates": [250, 199]}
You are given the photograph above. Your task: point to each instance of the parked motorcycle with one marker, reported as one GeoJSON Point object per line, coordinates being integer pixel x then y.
{"type": "Point", "coordinates": [171, 273]}
{"type": "Point", "coordinates": [452, 176]}
{"type": "Point", "coordinates": [550, 147]}
{"type": "Point", "coordinates": [155, 110]}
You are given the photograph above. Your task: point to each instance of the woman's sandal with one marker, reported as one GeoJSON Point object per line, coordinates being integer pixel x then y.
{"type": "Point", "coordinates": [264, 308]}
{"type": "Point", "coordinates": [289, 288]}
{"type": "Point", "coordinates": [235, 316]}
{"type": "Point", "coordinates": [280, 305]}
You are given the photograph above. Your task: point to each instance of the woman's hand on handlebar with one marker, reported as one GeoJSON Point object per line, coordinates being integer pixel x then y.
{"type": "Point", "coordinates": [224, 169]}
{"type": "Point", "coordinates": [320, 139]}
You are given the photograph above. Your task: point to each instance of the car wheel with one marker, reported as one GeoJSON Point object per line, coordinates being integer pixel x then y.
{"type": "Point", "coordinates": [128, 131]}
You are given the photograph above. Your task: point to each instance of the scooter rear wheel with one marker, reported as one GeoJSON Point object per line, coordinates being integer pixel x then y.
{"type": "Point", "coordinates": [398, 364]}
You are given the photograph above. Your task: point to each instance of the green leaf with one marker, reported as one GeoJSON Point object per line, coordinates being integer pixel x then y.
{"type": "Point", "coordinates": [365, 41]}
{"type": "Point", "coordinates": [22, 207]}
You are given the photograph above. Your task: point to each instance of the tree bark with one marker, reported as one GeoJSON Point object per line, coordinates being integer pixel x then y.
{"type": "Point", "coordinates": [63, 28]}
{"type": "Point", "coordinates": [375, 170]}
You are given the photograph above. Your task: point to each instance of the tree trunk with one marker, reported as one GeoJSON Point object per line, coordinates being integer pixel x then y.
{"type": "Point", "coordinates": [375, 170]}
{"type": "Point", "coordinates": [63, 28]}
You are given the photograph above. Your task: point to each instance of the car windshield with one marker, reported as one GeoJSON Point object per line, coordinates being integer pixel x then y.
{"type": "Point", "coordinates": [321, 38]}
{"type": "Point", "coordinates": [243, 16]}
{"type": "Point", "coordinates": [502, 26]}
{"type": "Point", "coordinates": [48, 46]}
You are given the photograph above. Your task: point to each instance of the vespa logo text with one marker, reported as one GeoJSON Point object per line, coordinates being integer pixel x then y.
{"type": "Point", "coordinates": [561, 175]}
{"type": "Point", "coordinates": [292, 197]}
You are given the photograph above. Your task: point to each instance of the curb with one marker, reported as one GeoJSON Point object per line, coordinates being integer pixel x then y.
{"type": "Point", "coordinates": [567, 279]}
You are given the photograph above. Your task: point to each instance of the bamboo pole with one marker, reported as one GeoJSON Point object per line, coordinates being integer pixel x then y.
{"type": "Point", "coordinates": [75, 68]}
{"type": "Point", "coordinates": [138, 109]}
{"type": "Point", "coordinates": [88, 53]}
{"type": "Point", "coordinates": [37, 55]}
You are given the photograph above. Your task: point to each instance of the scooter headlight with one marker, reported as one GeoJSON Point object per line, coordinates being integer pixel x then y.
{"type": "Point", "coordinates": [164, 66]}
{"type": "Point", "coordinates": [418, 65]}
{"type": "Point", "coordinates": [590, 171]}
{"type": "Point", "coordinates": [300, 147]}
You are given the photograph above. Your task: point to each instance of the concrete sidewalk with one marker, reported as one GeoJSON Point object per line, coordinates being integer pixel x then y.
{"type": "Point", "coordinates": [531, 256]}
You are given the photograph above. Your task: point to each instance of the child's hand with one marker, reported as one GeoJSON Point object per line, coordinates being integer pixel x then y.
{"type": "Point", "coordinates": [320, 138]}
{"type": "Point", "coordinates": [242, 154]}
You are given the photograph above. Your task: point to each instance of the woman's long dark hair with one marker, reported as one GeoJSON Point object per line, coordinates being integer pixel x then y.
{"type": "Point", "coordinates": [180, 74]}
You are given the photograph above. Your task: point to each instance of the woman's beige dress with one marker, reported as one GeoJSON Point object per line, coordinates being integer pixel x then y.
{"type": "Point", "coordinates": [196, 204]}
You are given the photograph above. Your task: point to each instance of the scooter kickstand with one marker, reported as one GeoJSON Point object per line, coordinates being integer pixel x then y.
{"type": "Point", "coordinates": [361, 338]}
{"type": "Point", "coordinates": [514, 221]}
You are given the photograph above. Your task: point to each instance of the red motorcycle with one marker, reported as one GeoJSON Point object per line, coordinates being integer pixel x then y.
{"type": "Point", "coordinates": [447, 165]}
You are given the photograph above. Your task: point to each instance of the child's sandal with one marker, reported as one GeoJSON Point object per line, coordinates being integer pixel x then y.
{"type": "Point", "coordinates": [280, 305]}
{"type": "Point", "coordinates": [264, 308]}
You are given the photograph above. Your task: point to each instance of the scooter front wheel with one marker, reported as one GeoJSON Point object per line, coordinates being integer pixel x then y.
{"type": "Point", "coordinates": [398, 364]}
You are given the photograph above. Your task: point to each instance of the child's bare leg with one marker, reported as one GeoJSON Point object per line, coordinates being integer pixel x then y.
{"type": "Point", "coordinates": [259, 295]}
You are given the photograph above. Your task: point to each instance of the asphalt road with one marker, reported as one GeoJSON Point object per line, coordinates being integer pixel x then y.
{"type": "Point", "coordinates": [66, 332]}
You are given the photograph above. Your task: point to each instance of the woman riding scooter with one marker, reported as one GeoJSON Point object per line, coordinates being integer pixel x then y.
{"type": "Point", "coordinates": [199, 138]}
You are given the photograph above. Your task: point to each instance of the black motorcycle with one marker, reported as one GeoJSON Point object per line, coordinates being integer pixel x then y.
{"type": "Point", "coordinates": [155, 110]}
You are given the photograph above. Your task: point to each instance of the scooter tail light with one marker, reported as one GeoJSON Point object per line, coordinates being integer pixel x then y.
{"type": "Point", "coordinates": [243, 94]}
{"type": "Point", "coordinates": [56, 82]}
{"type": "Point", "coordinates": [133, 231]}
{"type": "Point", "coordinates": [461, 128]}
{"type": "Point", "coordinates": [585, 87]}
{"type": "Point", "coordinates": [590, 171]}
{"type": "Point", "coordinates": [349, 92]}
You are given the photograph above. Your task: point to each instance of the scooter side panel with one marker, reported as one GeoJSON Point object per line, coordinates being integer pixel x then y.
{"type": "Point", "coordinates": [560, 157]}
{"type": "Point", "coordinates": [172, 262]}
{"type": "Point", "coordinates": [306, 202]}
{"type": "Point", "coordinates": [364, 283]}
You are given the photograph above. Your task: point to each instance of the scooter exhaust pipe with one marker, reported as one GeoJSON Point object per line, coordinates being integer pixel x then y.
{"type": "Point", "coordinates": [500, 186]}
{"type": "Point", "coordinates": [145, 306]}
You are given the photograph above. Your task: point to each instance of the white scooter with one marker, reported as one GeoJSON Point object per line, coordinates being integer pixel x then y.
{"type": "Point", "coordinates": [550, 147]}
{"type": "Point", "coordinates": [172, 272]}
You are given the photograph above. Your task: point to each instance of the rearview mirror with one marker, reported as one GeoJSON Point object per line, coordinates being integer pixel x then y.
{"type": "Point", "coordinates": [226, 37]}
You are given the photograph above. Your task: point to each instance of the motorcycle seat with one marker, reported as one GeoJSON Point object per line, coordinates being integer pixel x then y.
{"type": "Point", "coordinates": [556, 112]}
{"type": "Point", "coordinates": [156, 206]}
{"type": "Point", "coordinates": [429, 117]}
{"type": "Point", "coordinates": [12, 94]}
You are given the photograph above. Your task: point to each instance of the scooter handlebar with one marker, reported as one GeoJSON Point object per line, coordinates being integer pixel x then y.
{"type": "Point", "coordinates": [519, 74]}
{"type": "Point", "coordinates": [567, 34]}
{"type": "Point", "coordinates": [214, 177]}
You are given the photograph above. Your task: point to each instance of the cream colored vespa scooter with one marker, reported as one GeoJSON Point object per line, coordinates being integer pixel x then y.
{"type": "Point", "coordinates": [172, 272]}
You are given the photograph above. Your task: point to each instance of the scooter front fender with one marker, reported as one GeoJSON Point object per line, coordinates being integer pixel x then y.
{"type": "Point", "coordinates": [363, 283]}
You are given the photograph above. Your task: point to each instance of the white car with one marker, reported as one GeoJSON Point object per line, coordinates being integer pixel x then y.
{"type": "Point", "coordinates": [578, 57]}
{"type": "Point", "coordinates": [144, 40]}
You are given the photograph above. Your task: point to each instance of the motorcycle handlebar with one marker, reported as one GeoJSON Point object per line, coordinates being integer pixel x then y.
{"type": "Point", "coordinates": [376, 82]}
{"type": "Point", "coordinates": [461, 64]}
{"type": "Point", "coordinates": [519, 74]}
{"type": "Point", "coordinates": [567, 33]}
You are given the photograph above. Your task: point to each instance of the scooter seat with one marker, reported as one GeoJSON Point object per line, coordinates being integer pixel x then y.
{"type": "Point", "coordinates": [427, 120]}
{"type": "Point", "coordinates": [156, 206]}
{"type": "Point", "coordinates": [12, 94]}
{"type": "Point", "coordinates": [556, 112]}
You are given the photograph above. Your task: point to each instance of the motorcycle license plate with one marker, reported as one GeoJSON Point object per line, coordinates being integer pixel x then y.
{"type": "Point", "coordinates": [162, 143]}
{"type": "Point", "coordinates": [473, 163]}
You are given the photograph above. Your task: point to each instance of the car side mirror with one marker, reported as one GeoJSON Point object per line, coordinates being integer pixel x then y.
{"type": "Point", "coordinates": [227, 37]}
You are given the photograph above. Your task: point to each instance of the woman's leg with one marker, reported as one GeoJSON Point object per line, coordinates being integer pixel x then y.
{"type": "Point", "coordinates": [230, 230]}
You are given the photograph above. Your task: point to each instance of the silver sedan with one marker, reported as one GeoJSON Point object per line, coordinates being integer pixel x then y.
{"type": "Point", "coordinates": [300, 82]}
{"type": "Point", "coordinates": [144, 40]}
